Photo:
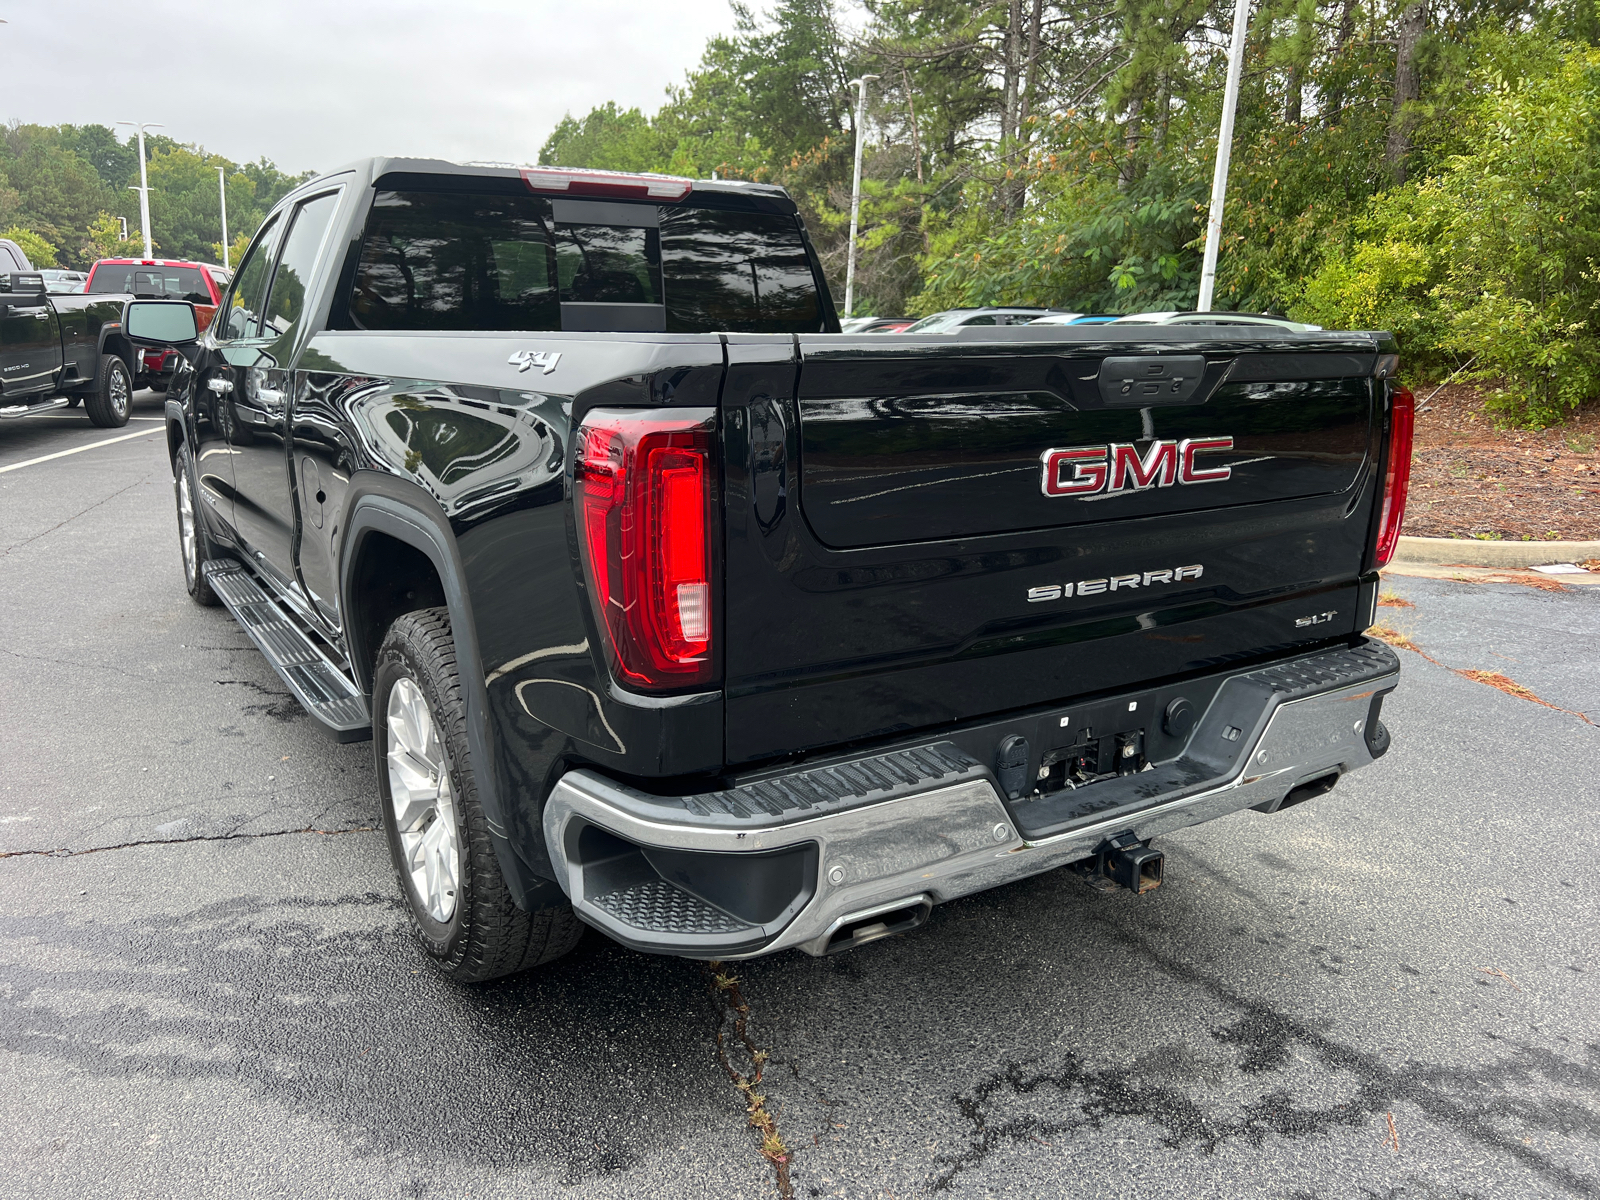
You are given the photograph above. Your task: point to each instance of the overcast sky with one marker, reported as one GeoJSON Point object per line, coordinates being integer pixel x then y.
{"type": "Point", "coordinates": [312, 84]}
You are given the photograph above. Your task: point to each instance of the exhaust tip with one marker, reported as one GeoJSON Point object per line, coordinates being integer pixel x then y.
{"type": "Point", "coordinates": [873, 925]}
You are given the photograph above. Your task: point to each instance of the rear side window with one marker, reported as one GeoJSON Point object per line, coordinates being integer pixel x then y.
{"type": "Point", "coordinates": [287, 301]}
{"type": "Point", "coordinates": [456, 260]}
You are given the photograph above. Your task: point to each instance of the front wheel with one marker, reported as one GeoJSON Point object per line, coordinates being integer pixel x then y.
{"type": "Point", "coordinates": [193, 542]}
{"type": "Point", "coordinates": [461, 910]}
{"type": "Point", "coordinates": [111, 399]}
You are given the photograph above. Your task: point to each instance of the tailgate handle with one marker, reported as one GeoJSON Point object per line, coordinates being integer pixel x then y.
{"type": "Point", "coordinates": [1147, 380]}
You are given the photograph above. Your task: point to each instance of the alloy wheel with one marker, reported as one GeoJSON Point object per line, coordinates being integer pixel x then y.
{"type": "Point", "coordinates": [119, 392]}
{"type": "Point", "coordinates": [424, 801]}
{"type": "Point", "coordinates": [186, 529]}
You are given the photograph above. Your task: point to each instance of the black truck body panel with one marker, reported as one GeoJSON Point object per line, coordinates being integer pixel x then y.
{"type": "Point", "coordinates": [883, 533]}
{"type": "Point", "coordinates": [52, 342]}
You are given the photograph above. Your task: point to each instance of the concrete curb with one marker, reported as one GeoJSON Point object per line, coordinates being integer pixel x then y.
{"type": "Point", "coordinates": [1469, 552]}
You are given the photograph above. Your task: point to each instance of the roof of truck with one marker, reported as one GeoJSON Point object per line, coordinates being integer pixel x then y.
{"type": "Point", "coordinates": [579, 183]}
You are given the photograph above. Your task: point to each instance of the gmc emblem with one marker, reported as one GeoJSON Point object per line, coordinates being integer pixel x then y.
{"type": "Point", "coordinates": [1085, 471]}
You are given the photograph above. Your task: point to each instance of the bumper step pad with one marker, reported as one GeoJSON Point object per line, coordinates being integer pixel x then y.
{"type": "Point", "coordinates": [325, 691]}
{"type": "Point", "coordinates": [660, 908]}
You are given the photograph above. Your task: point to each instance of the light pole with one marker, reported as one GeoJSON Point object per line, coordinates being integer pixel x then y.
{"type": "Point", "coordinates": [1219, 180]}
{"type": "Point", "coordinates": [222, 196]}
{"type": "Point", "coordinates": [144, 184]}
{"type": "Point", "coordinates": [855, 196]}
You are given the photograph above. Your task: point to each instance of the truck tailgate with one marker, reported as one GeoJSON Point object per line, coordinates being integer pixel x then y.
{"type": "Point", "coordinates": [924, 530]}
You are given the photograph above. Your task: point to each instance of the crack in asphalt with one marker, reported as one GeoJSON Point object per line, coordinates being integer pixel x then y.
{"type": "Point", "coordinates": [68, 852]}
{"type": "Point", "coordinates": [67, 662]}
{"type": "Point", "coordinates": [1266, 1040]}
{"type": "Point", "coordinates": [69, 520]}
{"type": "Point", "coordinates": [731, 1009]}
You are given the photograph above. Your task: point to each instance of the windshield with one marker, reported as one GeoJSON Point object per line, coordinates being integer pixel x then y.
{"type": "Point", "coordinates": [937, 323]}
{"type": "Point", "coordinates": [151, 283]}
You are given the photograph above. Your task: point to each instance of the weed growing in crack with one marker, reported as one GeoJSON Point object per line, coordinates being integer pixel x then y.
{"type": "Point", "coordinates": [737, 1043]}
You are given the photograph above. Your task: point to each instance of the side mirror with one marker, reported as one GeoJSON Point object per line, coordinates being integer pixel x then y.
{"type": "Point", "coordinates": [160, 322]}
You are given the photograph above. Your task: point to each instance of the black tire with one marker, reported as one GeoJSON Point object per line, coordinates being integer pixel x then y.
{"type": "Point", "coordinates": [194, 544]}
{"type": "Point", "coordinates": [110, 402]}
{"type": "Point", "coordinates": [486, 936]}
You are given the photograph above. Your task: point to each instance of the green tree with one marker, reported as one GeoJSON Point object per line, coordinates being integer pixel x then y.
{"type": "Point", "coordinates": [40, 252]}
{"type": "Point", "coordinates": [104, 239]}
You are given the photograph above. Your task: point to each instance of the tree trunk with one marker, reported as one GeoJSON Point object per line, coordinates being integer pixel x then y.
{"type": "Point", "coordinates": [911, 110]}
{"type": "Point", "coordinates": [1407, 87]}
{"type": "Point", "coordinates": [1347, 29]}
{"type": "Point", "coordinates": [1029, 84]}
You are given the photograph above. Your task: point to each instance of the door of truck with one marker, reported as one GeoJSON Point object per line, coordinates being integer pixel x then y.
{"type": "Point", "coordinates": [924, 529]}
{"type": "Point", "coordinates": [262, 384]}
{"type": "Point", "coordinates": [222, 428]}
{"type": "Point", "coordinates": [30, 339]}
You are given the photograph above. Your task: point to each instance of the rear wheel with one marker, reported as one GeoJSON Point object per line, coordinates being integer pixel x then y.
{"type": "Point", "coordinates": [461, 910]}
{"type": "Point", "coordinates": [193, 541]}
{"type": "Point", "coordinates": [111, 400]}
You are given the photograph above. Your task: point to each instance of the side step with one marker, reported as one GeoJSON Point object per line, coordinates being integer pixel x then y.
{"type": "Point", "coordinates": [325, 691]}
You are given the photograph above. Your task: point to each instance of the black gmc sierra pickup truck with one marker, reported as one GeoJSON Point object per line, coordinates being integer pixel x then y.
{"type": "Point", "coordinates": [57, 349]}
{"type": "Point", "coordinates": [675, 612]}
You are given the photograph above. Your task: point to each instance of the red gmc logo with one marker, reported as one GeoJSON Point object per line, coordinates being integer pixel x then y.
{"type": "Point", "coordinates": [1085, 471]}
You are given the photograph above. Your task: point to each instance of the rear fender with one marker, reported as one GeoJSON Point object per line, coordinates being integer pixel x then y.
{"type": "Point", "coordinates": [378, 503]}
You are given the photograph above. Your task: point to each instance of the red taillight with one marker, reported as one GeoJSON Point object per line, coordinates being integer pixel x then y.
{"type": "Point", "coordinates": [1402, 419]}
{"type": "Point", "coordinates": [606, 183]}
{"type": "Point", "coordinates": [645, 495]}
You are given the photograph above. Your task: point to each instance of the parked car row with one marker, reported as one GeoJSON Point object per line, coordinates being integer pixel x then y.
{"type": "Point", "coordinates": [962, 318]}
{"type": "Point", "coordinates": [55, 354]}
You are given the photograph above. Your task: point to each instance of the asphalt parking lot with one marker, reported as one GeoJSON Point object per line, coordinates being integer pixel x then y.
{"type": "Point", "coordinates": [206, 987]}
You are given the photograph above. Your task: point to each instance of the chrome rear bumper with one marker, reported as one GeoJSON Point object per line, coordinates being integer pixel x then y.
{"type": "Point", "coordinates": [650, 870]}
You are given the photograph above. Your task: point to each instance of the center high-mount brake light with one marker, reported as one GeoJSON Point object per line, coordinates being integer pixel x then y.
{"type": "Point", "coordinates": [645, 494]}
{"type": "Point", "coordinates": [1397, 480]}
{"type": "Point", "coordinates": [606, 183]}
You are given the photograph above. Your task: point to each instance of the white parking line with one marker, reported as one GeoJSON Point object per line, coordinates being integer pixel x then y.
{"type": "Point", "coordinates": [75, 417]}
{"type": "Point", "coordinates": [78, 449]}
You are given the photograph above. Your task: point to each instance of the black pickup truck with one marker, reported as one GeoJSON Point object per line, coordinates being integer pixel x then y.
{"type": "Point", "coordinates": [675, 612]}
{"type": "Point", "coordinates": [57, 349]}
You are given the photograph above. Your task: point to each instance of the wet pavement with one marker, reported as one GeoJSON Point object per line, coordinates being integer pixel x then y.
{"type": "Point", "coordinates": [207, 987]}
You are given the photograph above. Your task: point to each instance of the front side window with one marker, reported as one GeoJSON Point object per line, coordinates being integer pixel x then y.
{"type": "Point", "coordinates": [241, 313]}
{"type": "Point", "coordinates": [287, 302]}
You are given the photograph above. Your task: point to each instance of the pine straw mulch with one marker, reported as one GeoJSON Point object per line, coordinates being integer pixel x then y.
{"type": "Point", "coordinates": [1469, 479]}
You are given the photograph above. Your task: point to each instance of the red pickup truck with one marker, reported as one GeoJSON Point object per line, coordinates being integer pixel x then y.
{"type": "Point", "coordinates": [201, 284]}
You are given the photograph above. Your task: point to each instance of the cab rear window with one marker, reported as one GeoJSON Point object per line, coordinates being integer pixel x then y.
{"type": "Point", "coordinates": [151, 282]}
{"type": "Point", "coordinates": [460, 260]}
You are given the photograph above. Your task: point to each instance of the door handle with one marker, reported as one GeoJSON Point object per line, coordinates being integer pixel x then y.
{"type": "Point", "coordinates": [41, 316]}
{"type": "Point", "coordinates": [220, 386]}
{"type": "Point", "coordinates": [271, 398]}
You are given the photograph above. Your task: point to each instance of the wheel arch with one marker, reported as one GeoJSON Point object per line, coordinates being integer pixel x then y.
{"type": "Point", "coordinates": [113, 341]}
{"type": "Point", "coordinates": [177, 432]}
{"type": "Point", "coordinates": [383, 512]}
